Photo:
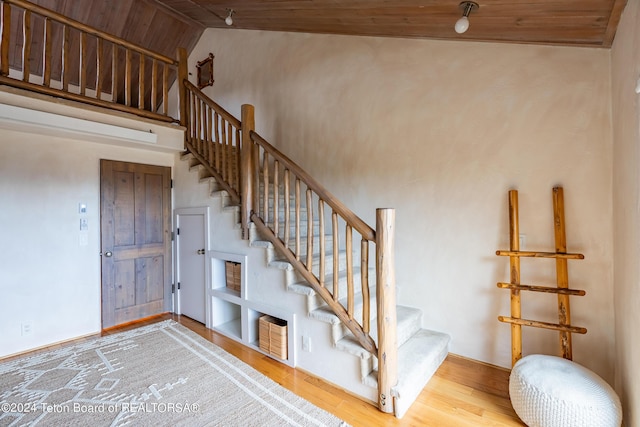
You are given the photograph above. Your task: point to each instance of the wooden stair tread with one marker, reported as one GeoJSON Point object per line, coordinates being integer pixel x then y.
{"type": "Point", "coordinates": [418, 360]}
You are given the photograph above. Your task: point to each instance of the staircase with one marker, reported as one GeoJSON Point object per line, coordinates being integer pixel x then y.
{"type": "Point", "coordinates": [309, 235]}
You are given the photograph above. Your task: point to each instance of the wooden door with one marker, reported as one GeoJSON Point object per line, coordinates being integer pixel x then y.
{"type": "Point", "coordinates": [190, 274]}
{"type": "Point", "coordinates": [135, 209]}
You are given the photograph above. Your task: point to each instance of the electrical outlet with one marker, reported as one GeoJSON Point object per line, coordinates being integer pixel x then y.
{"type": "Point", "coordinates": [26, 329]}
{"type": "Point", "coordinates": [306, 343]}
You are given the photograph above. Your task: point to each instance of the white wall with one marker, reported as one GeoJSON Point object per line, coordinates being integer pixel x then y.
{"type": "Point", "coordinates": [625, 65]}
{"type": "Point", "coordinates": [441, 131]}
{"type": "Point", "coordinates": [47, 278]}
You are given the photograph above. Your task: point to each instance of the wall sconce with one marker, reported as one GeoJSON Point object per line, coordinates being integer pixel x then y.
{"type": "Point", "coordinates": [229, 20]}
{"type": "Point", "coordinates": [462, 24]}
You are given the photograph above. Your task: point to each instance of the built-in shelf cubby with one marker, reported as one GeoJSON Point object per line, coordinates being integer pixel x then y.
{"type": "Point", "coordinates": [233, 314]}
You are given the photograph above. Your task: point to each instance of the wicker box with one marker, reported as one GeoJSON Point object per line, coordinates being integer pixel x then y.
{"type": "Point", "coordinates": [232, 270]}
{"type": "Point", "coordinates": [273, 336]}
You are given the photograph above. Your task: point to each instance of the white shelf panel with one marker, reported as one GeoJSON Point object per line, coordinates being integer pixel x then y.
{"type": "Point", "coordinates": [232, 313]}
{"type": "Point", "coordinates": [227, 295]}
{"type": "Point", "coordinates": [232, 329]}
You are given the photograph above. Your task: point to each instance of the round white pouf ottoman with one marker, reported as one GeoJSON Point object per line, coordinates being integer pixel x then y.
{"type": "Point", "coordinates": [549, 391]}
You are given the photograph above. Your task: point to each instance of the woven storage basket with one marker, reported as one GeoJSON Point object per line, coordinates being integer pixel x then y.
{"type": "Point", "coordinates": [273, 336]}
{"type": "Point", "coordinates": [232, 270]}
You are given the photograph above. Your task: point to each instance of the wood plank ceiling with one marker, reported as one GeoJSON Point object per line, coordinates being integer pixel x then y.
{"type": "Point", "coordinates": [589, 23]}
{"type": "Point", "coordinates": [164, 25]}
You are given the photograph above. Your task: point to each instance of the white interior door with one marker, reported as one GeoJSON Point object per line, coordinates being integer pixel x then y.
{"type": "Point", "coordinates": [191, 246]}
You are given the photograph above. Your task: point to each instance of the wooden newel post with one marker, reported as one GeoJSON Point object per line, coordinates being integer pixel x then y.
{"type": "Point", "coordinates": [246, 172]}
{"type": "Point", "coordinates": [5, 31]}
{"type": "Point", "coordinates": [183, 74]}
{"type": "Point", "coordinates": [386, 297]}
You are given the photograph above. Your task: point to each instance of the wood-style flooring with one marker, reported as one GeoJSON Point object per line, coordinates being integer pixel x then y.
{"type": "Point", "coordinates": [462, 393]}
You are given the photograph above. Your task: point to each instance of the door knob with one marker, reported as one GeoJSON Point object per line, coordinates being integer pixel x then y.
{"type": "Point", "coordinates": [107, 254]}
{"type": "Point", "coordinates": [200, 251]}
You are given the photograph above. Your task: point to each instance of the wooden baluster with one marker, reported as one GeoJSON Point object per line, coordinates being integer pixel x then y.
{"type": "Point", "coordinates": [5, 21]}
{"type": "Point", "coordinates": [336, 256]}
{"type": "Point", "coordinates": [202, 130]}
{"type": "Point", "coordinates": [127, 77]}
{"type": "Point", "coordinates": [223, 147]}
{"type": "Point", "coordinates": [194, 121]}
{"type": "Point", "coordinates": [154, 85]}
{"type": "Point", "coordinates": [216, 126]}
{"type": "Point", "coordinates": [141, 85]}
{"type": "Point", "coordinates": [255, 168]}
{"type": "Point", "coordinates": [115, 86]}
{"type": "Point", "coordinates": [211, 157]}
{"type": "Point", "coordinates": [350, 290]}
{"type": "Point", "coordinates": [309, 230]}
{"type": "Point", "coordinates": [46, 55]}
{"type": "Point", "coordinates": [364, 282]}
{"type": "Point", "coordinates": [514, 267]}
{"type": "Point", "coordinates": [207, 136]}
{"type": "Point", "coordinates": [99, 60]}
{"type": "Point", "coordinates": [238, 157]}
{"type": "Point", "coordinates": [562, 274]}
{"type": "Point", "coordinates": [265, 186]}
{"type": "Point", "coordinates": [183, 75]}
{"type": "Point", "coordinates": [82, 69]}
{"type": "Point", "coordinates": [230, 154]}
{"type": "Point", "coordinates": [66, 45]}
{"type": "Point", "coordinates": [276, 198]}
{"type": "Point", "coordinates": [206, 147]}
{"type": "Point", "coordinates": [322, 242]}
{"type": "Point", "coordinates": [298, 215]}
{"type": "Point", "coordinates": [165, 92]}
{"type": "Point", "coordinates": [26, 47]}
{"type": "Point", "coordinates": [287, 207]}
{"type": "Point", "coordinates": [386, 297]}
{"type": "Point", "coordinates": [198, 125]}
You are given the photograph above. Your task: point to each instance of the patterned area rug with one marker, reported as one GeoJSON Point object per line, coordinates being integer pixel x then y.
{"type": "Point", "coordinates": [162, 375]}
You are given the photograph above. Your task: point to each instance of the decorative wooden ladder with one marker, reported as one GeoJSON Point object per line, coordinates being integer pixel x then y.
{"type": "Point", "coordinates": [562, 279]}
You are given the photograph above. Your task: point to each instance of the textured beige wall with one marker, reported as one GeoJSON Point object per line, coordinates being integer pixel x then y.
{"type": "Point", "coordinates": [441, 131]}
{"type": "Point", "coordinates": [49, 277]}
{"type": "Point", "coordinates": [625, 65]}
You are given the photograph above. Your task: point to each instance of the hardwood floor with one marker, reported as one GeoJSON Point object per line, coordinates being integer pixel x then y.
{"type": "Point", "coordinates": [462, 393]}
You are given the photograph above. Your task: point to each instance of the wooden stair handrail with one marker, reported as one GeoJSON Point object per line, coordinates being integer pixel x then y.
{"type": "Point", "coordinates": [365, 339]}
{"type": "Point", "coordinates": [362, 227]}
{"type": "Point", "coordinates": [213, 105]}
{"type": "Point", "coordinates": [202, 140]}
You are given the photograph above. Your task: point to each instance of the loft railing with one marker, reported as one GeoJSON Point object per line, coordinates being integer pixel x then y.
{"type": "Point", "coordinates": [45, 52]}
{"type": "Point", "coordinates": [305, 223]}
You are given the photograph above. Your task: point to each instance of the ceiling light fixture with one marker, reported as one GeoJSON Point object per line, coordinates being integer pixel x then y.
{"type": "Point", "coordinates": [229, 20]}
{"type": "Point", "coordinates": [462, 24]}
